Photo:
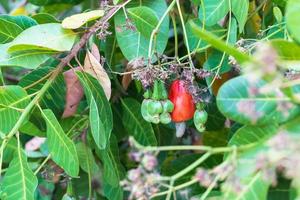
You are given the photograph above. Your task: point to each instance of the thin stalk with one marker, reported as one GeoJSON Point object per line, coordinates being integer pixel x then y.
{"type": "Point", "coordinates": [185, 34]}
{"type": "Point", "coordinates": [1, 78]}
{"type": "Point", "coordinates": [211, 186]}
{"type": "Point", "coordinates": [156, 29]}
{"type": "Point", "coordinates": [42, 165]}
{"type": "Point", "coordinates": [192, 166]}
{"type": "Point", "coordinates": [224, 54]}
{"type": "Point", "coordinates": [175, 34]}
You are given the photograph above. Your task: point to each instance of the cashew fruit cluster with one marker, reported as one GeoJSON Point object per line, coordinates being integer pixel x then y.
{"type": "Point", "coordinates": [156, 107]}
{"type": "Point", "coordinates": [177, 106]}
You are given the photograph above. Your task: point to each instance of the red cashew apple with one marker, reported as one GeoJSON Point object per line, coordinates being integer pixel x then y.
{"type": "Point", "coordinates": [184, 106]}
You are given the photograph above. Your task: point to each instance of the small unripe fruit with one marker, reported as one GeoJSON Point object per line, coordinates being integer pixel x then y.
{"type": "Point", "coordinates": [165, 118]}
{"type": "Point", "coordinates": [144, 110]}
{"type": "Point", "coordinates": [154, 107]}
{"type": "Point", "coordinates": [200, 116]}
{"type": "Point", "coordinates": [168, 106]}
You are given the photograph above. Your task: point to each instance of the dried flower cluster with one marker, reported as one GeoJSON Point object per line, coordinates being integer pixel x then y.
{"type": "Point", "coordinates": [222, 172]}
{"type": "Point", "coordinates": [143, 181]}
{"type": "Point", "coordinates": [103, 33]}
{"type": "Point", "coordinates": [282, 157]}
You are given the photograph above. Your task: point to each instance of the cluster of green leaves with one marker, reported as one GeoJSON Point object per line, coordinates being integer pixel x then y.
{"type": "Point", "coordinates": [89, 148]}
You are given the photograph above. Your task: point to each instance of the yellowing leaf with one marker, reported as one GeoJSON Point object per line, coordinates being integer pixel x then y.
{"type": "Point", "coordinates": [94, 68]}
{"type": "Point", "coordinates": [19, 11]}
{"type": "Point", "coordinates": [76, 21]}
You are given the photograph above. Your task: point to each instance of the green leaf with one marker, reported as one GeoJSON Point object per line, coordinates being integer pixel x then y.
{"type": "Point", "coordinates": [253, 188]}
{"type": "Point", "coordinates": [213, 61]}
{"type": "Point", "coordinates": [30, 128]}
{"type": "Point", "coordinates": [253, 185]}
{"type": "Point", "coordinates": [27, 59]}
{"type": "Point", "coordinates": [240, 11]}
{"type": "Point", "coordinates": [135, 125]}
{"type": "Point", "coordinates": [19, 181]}
{"type": "Point", "coordinates": [86, 158]}
{"type": "Point", "coordinates": [277, 14]}
{"type": "Point", "coordinates": [54, 97]}
{"type": "Point", "coordinates": [214, 11]}
{"type": "Point", "coordinates": [50, 2]}
{"type": "Point", "coordinates": [215, 138]}
{"type": "Point", "coordinates": [44, 37]}
{"type": "Point", "coordinates": [194, 41]}
{"type": "Point", "coordinates": [292, 19]}
{"type": "Point", "coordinates": [113, 170]}
{"type": "Point", "coordinates": [12, 26]}
{"type": "Point", "coordinates": [253, 134]}
{"type": "Point", "coordinates": [145, 19]}
{"type": "Point", "coordinates": [113, 193]}
{"type": "Point", "coordinates": [78, 20]}
{"type": "Point", "coordinates": [236, 102]}
{"type": "Point", "coordinates": [116, 2]}
{"type": "Point", "coordinates": [215, 119]}
{"type": "Point", "coordinates": [12, 98]}
{"type": "Point", "coordinates": [44, 18]}
{"type": "Point", "coordinates": [233, 32]}
{"type": "Point", "coordinates": [100, 110]}
{"type": "Point", "coordinates": [62, 148]}
{"type": "Point", "coordinates": [132, 43]}
{"type": "Point", "coordinates": [288, 51]}
{"type": "Point", "coordinates": [220, 45]}
{"type": "Point", "coordinates": [9, 150]}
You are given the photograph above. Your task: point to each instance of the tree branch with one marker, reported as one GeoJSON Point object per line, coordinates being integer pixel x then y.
{"type": "Point", "coordinates": [65, 61]}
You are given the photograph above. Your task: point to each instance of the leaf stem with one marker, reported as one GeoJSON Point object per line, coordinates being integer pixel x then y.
{"type": "Point", "coordinates": [210, 187]}
{"type": "Point", "coordinates": [1, 78]}
{"type": "Point", "coordinates": [221, 45]}
{"type": "Point", "coordinates": [175, 34]}
{"type": "Point", "coordinates": [216, 150]}
{"type": "Point", "coordinates": [185, 34]}
{"type": "Point", "coordinates": [42, 164]}
{"type": "Point", "coordinates": [156, 30]}
{"type": "Point", "coordinates": [224, 54]}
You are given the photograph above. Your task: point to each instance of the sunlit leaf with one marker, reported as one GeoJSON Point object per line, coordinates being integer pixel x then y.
{"type": "Point", "coordinates": [19, 181]}
{"type": "Point", "coordinates": [12, 26]}
{"type": "Point", "coordinates": [78, 20]}
{"type": "Point", "coordinates": [12, 100]}
{"type": "Point", "coordinates": [27, 59]}
{"type": "Point", "coordinates": [44, 37]}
